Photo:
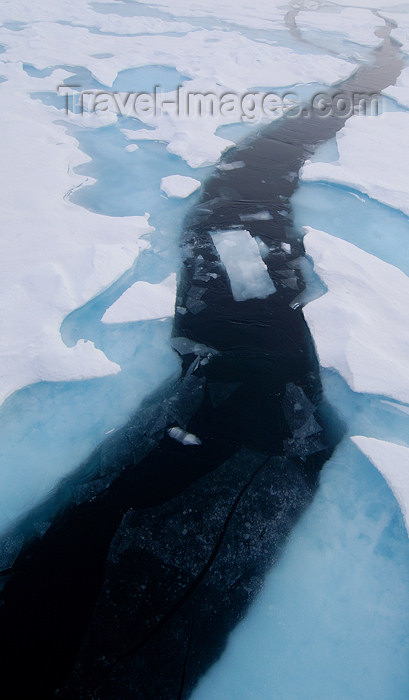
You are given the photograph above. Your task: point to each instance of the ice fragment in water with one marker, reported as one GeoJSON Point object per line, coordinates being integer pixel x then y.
{"type": "Point", "coordinates": [184, 437]}
{"type": "Point", "coordinates": [247, 272]}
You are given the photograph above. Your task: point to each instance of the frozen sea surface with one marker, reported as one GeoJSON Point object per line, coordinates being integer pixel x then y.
{"type": "Point", "coordinates": [88, 285]}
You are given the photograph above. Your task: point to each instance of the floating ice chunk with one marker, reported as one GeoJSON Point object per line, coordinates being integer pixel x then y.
{"type": "Point", "coordinates": [361, 324]}
{"type": "Point", "coordinates": [286, 247]}
{"type": "Point", "coordinates": [144, 301]}
{"type": "Point", "coordinates": [184, 437]}
{"type": "Point", "coordinates": [179, 186]}
{"type": "Point", "coordinates": [197, 146]}
{"type": "Point", "coordinates": [381, 173]}
{"type": "Point", "coordinates": [194, 302]}
{"type": "Point", "coordinates": [393, 463]}
{"type": "Point", "coordinates": [258, 216]}
{"type": "Point", "coordinates": [247, 272]}
{"type": "Point", "coordinates": [131, 147]}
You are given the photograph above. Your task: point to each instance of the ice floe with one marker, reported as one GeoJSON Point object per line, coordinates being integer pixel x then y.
{"type": "Point", "coordinates": [242, 259]}
{"type": "Point", "coordinates": [353, 23]}
{"type": "Point", "coordinates": [179, 186]}
{"type": "Point", "coordinates": [361, 324]}
{"type": "Point", "coordinates": [373, 158]}
{"type": "Point", "coordinates": [144, 301]}
{"type": "Point", "coordinates": [393, 463]}
{"type": "Point", "coordinates": [400, 91]}
{"type": "Point", "coordinates": [401, 19]}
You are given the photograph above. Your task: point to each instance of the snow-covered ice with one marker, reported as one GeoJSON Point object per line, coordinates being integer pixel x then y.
{"type": "Point", "coordinates": [247, 271]}
{"type": "Point", "coordinates": [355, 24]}
{"type": "Point", "coordinates": [393, 463]}
{"type": "Point", "coordinates": [360, 325]}
{"type": "Point", "coordinates": [179, 186]}
{"type": "Point", "coordinates": [144, 301]}
{"type": "Point", "coordinates": [55, 256]}
{"type": "Point", "coordinates": [400, 91]}
{"type": "Point", "coordinates": [373, 158]}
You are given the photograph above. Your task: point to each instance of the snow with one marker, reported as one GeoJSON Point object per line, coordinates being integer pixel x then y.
{"type": "Point", "coordinates": [179, 186]}
{"type": "Point", "coordinates": [55, 255]}
{"type": "Point", "coordinates": [247, 272]}
{"type": "Point", "coordinates": [380, 172]}
{"type": "Point", "coordinates": [360, 325]}
{"type": "Point", "coordinates": [354, 24]}
{"type": "Point", "coordinates": [81, 14]}
{"type": "Point", "coordinates": [393, 463]}
{"type": "Point", "coordinates": [144, 301]}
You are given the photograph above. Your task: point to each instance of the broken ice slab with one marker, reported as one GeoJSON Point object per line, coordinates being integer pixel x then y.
{"type": "Point", "coordinates": [185, 346]}
{"type": "Point", "coordinates": [240, 255]}
{"type": "Point", "coordinates": [194, 302]}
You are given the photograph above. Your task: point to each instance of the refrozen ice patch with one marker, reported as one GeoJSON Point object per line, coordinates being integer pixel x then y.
{"type": "Point", "coordinates": [361, 324]}
{"type": "Point", "coordinates": [179, 186]}
{"type": "Point", "coordinates": [247, 272]}
{"type": "Point", "coordinates": [143, 302]}
{"type": "Point", "coordinates": [393, 463]}
{"type": "Point", "coordinates": [373, 158]}
{"type": "Point", "coordinates": [353, 23]}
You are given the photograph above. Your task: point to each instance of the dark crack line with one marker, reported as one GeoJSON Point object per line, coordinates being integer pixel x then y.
{"type": "Point", "coordinates": [186, 660]}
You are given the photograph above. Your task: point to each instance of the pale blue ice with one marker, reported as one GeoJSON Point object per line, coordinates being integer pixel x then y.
{"type": "Point", "coordinates": [332, 620]}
